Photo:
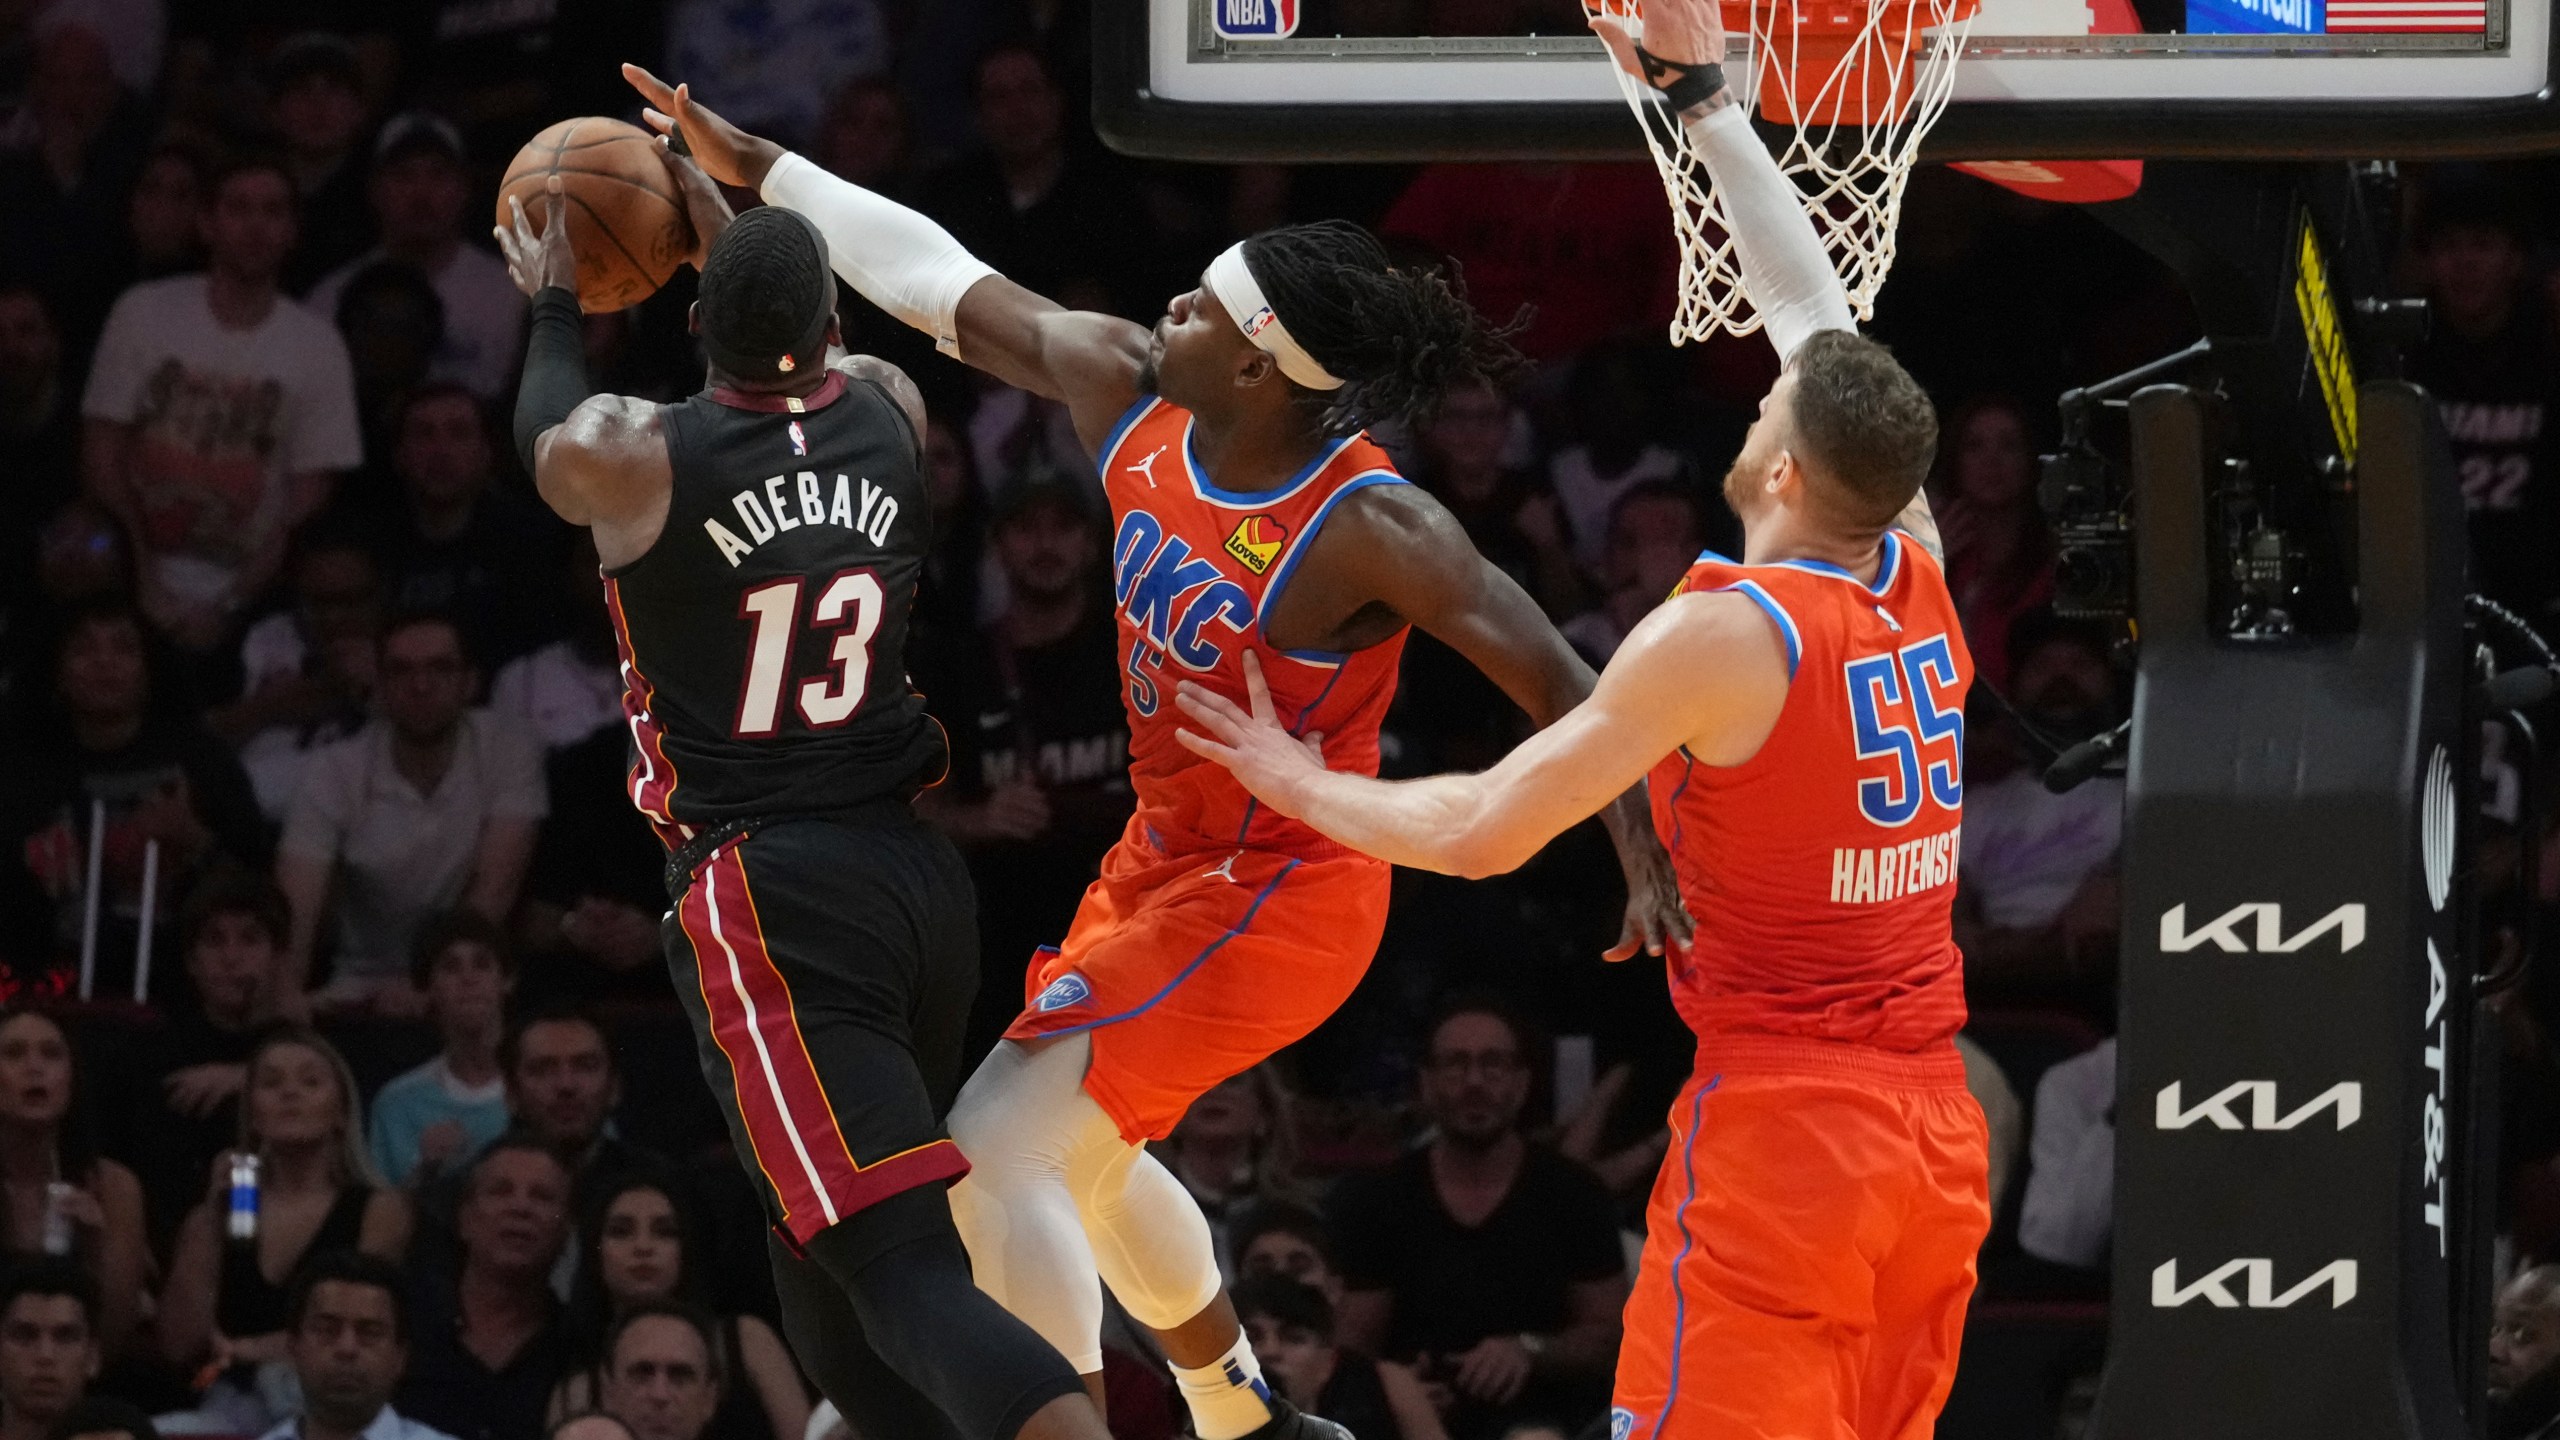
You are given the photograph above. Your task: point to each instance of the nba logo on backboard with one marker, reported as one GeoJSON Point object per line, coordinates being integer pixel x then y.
{"type": "Point", "coordinates": [1066, 990]}
{"type": "Point", "coordinates": [1254, 19]}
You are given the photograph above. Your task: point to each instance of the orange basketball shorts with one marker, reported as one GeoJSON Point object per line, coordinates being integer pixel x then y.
{"type": "Point", "coordinates": [1189, 969]}
{"type": "Point", "coordinates": [1809, 1248]}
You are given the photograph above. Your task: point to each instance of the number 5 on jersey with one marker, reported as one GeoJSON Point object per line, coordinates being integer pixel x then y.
{"type": "Point", "coordinates": [851, 603]}
{"type": "Point", "coordinates": [1905, 707]}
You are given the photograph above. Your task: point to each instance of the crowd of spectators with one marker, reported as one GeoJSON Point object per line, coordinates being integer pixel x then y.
{"type": "Point", "coordinates": [308, 700]}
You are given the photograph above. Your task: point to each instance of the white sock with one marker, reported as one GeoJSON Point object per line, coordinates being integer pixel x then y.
{"type": "Point", "coordinates": [1228, 1399]}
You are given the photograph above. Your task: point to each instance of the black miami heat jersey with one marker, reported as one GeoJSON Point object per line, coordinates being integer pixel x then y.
{"type": "Point", "coordinates": [763, 637]}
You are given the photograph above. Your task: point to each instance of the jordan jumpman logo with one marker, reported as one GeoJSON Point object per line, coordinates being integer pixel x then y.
{"type": "Point", "coordinates": [1147, 467]}
{"type": "Point", "coordinates": [1226, 869]}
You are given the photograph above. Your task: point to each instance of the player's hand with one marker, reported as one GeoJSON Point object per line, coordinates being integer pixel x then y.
{"type": "Point", "coordinates": [1015, 810]}
{"type": "Point", "coordinates": [1265, 758]}
{"type": "Point", "coordinates": [704, 206]}
{"type": "Point", "coordinates": [725, 152]}
{"type": "Point", "coordinates": [1655, 917]}
{"type": "Point", "coordinates": [1495, 1371]}
{"type": "Point", "coordinates": [538, 261]}
{"type": "Point", "coordinates": [1683, 32]}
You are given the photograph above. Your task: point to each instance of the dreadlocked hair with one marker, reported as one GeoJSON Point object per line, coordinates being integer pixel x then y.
{"type": "Point", "coordinates": [1400, 337]}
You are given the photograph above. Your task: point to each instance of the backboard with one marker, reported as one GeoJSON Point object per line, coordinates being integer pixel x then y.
{"type": "Point", "coordinates": [2039, 79]}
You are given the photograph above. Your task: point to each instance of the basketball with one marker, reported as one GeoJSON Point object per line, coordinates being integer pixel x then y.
{"type": "Point", "coordinates": [626, 221]}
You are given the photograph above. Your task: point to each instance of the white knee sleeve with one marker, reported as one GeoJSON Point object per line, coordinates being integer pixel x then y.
{"type": "Point", "coordinates": [1149, 1238]}
{"type": "Point", "coordinates": [1021, 1120]}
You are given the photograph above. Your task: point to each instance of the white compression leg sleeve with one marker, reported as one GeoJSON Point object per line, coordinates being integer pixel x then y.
{"type": "Point", "coordinates": [1784, 267]}
{"type": "Point", "coordinates": [900, 260]}
{"type": "Point", "coordinates": [1149, 1237]}
{"type": "Point", "coordinates": [1025, 1123]}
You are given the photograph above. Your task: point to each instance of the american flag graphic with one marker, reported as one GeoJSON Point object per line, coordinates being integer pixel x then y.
{"type": "Point", "coordinates": [2407, 17]}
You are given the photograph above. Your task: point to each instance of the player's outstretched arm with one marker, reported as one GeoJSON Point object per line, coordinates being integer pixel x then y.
{"type": "Point", "coordinates": [1678, 48]}
{"type": "Point", "coordinates": [1394, 545]}
{"type": "Point", "coordinates": [911, 267]}
{"type": "Point", "coordinates": [1650, 701]}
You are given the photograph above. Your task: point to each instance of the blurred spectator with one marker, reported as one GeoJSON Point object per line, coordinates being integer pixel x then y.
{"type": "Point", "coordinates": [49, 1351]}
{"type": "Point", "coordinates": [349, 1342]}
{"type": "Point", "coordinates": [2068, 1214]}
{"type": "Point", "coordinates": [489, 1344]}
{"type": "Point", "coordinates": [1616, 402]}
{"type": "Point", "coordinates": [1491, 1264]}
{"type": "Point", "coordinates": [218, 413]}
{"type": "Point", "coordinates": [503, 72]}
{"type": "Point", "coordinates": [162, 227]}
{"type": "Point", "coordinates": [1655, 534]}
{"type": "Point", "coordinates": [317, 1192]}
{"type": "Point", "coordinates": [2524, 1357]}
{"type": "Point", "coordinates": [233, 932]}
{"type": "Point", "coordinates": [1510, 517]}
{"type": "Point", "coordinates": [571, 688]}
{"type": "Point", "coordinates": [392, 320]}
{"type": "Point", "coordinates": [1039, 739]}
{"type": "Point", "coordinates": [2036, 902]}
{"type": "Point", "coordinates": [1236, 1150]}
{"type": "Point", "coordinates": [1291, 1326]}
{"type": "Point", "coordinates": [310, 667]}
{"type": "Point", "coordinates": [597, 883]}
{"type": "Point", "coordinates": [136, 33]}
{"type": "Point", "coordinates": [771, 65]}
{"type": "Point", "coordinates": [420, 191]}
{"type": "Point", "coordinates": [1583, 247]}
{"type": "Point", "coordinates": [1999, 549]}
{"type": "Point", "coordinates": [432, 806]}
{"type": "Point", "coordinates": [1051, 217]}
{"type": "Point", "coordinates": [100, 1417]}
{"type": "Point", "coordinates": [662, 1374]}
{"type": "Point", "coordinates": [72, 153]}
{"type": "Point", "coordinates": [1289, 1240]}
{"type": "Point", "coordinates": [642, 1249]}
{"type": "Point", "coordinates": [316, 100]}
{"type": "Point", "coordinates": [862, 137]}
{"type": "Point", "coordinates": [49, 1164]}
{"type": "Point", "coordinates": [105, 752]}
{"type": "Point", "coordinates": [948, 593]}
{"type": "Point", "coordinates": [39, 423]}
{"type": "Point", "coordinates": [2490, 362]}
{"type": "Point", "coordinates": [600, 1426]}
{"type": "Point", "coordinates": [432, 1118]}
{"type": "Point", "coordinates": [450, 543]}
{"type": "Point", "coordinates": [2002, 1115]}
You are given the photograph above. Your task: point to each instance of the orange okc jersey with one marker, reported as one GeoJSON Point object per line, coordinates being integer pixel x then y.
{"type": "Point", "coordinates": [1196, 572]}
{"type": "Point", "coordinates": [1820, 870]}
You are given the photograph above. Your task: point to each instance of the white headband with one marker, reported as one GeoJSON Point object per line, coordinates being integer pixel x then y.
{"type": "Point", "coordinates": [1233, 283]}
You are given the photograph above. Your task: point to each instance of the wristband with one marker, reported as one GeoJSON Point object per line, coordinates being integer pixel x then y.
{"type": "Point", "coordinates": [1689, 84]}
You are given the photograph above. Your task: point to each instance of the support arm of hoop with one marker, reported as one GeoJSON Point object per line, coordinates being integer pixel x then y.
{"type": "Point", "coordinates": [1784, 267]}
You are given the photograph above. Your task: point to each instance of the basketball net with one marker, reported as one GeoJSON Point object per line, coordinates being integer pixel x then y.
{"type": "Point", "coordinates": [1856, 84]}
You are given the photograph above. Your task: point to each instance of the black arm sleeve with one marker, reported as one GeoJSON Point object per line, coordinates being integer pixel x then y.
{"type": "Point", "coordinates": [555, 368]}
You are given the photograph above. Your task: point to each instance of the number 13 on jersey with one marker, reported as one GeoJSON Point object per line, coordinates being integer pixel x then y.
{"type": "Point", "coordinates": [851, 603]}
{"type": "Point", "coordinates": [1905, 708]}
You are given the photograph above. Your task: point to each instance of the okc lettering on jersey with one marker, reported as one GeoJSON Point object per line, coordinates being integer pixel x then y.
{"type": "Point", "coordinates": [787, 502]}
{"type": "Point", "coordinates": [1171, 597]}
{"type": "Point", "coordinates": [1869, 875]}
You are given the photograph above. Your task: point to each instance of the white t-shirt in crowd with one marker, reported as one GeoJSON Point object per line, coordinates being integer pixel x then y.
{"type": "Point", "coordinates": [483, 316]}
{"type": "Point", "coordinates": [402, 857]}
{"type": "Point", "coordinates": [1587, 496]}
{"type": "Point", "coordinates": [220, 419]}
{"type": "Point", "coordinates": [2027, 850]}
{"type": "Point", "coordinates": [558, 694]}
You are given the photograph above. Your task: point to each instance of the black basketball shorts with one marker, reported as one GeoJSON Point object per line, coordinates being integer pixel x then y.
{"type": "Point", "coordinates": [829, 965]}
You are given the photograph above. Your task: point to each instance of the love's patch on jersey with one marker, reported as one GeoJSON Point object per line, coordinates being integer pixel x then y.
{"type": "Point", "coordinates": [1256, 541]}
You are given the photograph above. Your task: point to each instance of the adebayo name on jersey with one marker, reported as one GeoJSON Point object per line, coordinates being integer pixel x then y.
{"type": "Point", "coordinates": [787, 502]}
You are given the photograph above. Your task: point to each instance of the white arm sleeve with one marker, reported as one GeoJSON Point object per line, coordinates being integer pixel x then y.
{"type": "Point", "coordinates": [900, 260]}
{"type": "Point", "coordinates": [1785, 270]}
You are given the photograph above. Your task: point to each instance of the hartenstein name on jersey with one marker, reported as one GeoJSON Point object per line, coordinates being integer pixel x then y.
{"type": "Point", "coordinates": [787, 502]}
{"type": "Point", "coordinates": [1875, 874]}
